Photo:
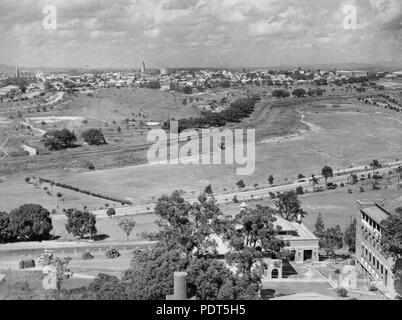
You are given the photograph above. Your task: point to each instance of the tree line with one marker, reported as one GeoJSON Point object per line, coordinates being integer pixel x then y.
{"type": "Point", "coordinates": [238, 110]}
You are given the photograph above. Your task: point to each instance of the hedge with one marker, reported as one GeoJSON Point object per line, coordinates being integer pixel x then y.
{"type": "Point", "coordinates": [93, 194]}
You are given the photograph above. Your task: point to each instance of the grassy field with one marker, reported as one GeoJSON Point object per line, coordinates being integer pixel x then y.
{"type": "Point", "coordinates": [342, 132]}
{"type": "Point", "coordinates": [341, 136]}
{"type": "Point", "coordinates": [109, 228]}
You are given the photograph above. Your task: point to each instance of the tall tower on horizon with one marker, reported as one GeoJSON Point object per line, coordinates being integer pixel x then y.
{"type": "Point", "coordinates": [17, 72]}
{"type": "Point", "coordinates": [143, 67]}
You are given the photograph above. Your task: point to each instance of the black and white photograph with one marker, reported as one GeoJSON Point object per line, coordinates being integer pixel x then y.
{"type": "Point", "coordinates": [183, 151]}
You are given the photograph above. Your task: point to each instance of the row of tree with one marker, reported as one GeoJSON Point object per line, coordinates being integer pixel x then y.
{"type": "Point", "coordinates": [64, 139]}
{"type": "Point", "coordinates": [238, 110]}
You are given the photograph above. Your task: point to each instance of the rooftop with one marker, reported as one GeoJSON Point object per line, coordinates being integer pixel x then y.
{"type": "Point", "coordinates": [376, 213]}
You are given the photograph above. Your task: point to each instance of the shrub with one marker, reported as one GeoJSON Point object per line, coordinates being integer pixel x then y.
{"type": "Point", "coordinates": [240, 184]}
{"type": "Point", "coordinates": [59, 139]}
{"type": "Point", "coordinates": [337, 271]}
{"type": "Point", "coordinates": [373, 288]}
{"type": "Point", "coordinates": [93, 137]}
{"type": "Point", "coordinates": [87, 256]}
{"type": "Point", "coordinates": [342, 292]}
{"type": "Point", "coordinates": [111, 212]}
{"type": "Point", "coordinates": [112, 253]}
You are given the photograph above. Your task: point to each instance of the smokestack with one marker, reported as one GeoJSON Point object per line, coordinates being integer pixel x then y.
{"type": "Point", "coordinates": [180, 286]}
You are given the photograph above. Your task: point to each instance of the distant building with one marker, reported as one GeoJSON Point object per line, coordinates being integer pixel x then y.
{"type": "Point", "coordinates": [349, 74]}
{"type": "Point", "coordinates": [371, 261]}
{"type": "Point", "coordinates": [17, 72]}
{"type": "Point", "coordinates": [143, 69]}
{"type": "Point", "coordinates": [397, 74]}
{"type": "Point", "coordinates": [164, 71]}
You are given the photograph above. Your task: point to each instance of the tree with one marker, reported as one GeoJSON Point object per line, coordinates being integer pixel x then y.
{"type": "Point", "coordinates": [93, 137]}
{"type": "Point", "coordinates": [127, 226]}
{"type": "Point", "coordinates": [111, 212]}
{"type": "Point", "coordinates": [59, 139]}
{"type": "Point", "coordinates": [289, 206]}
{"type": "Point", "coordinates": [391, 235]}
{"type": "Point", "coordinates": [187, 90]}
{"type": "Point", "coordinates": [299, 93]}
{"type": "Point", "coordinates": [30, 222]}
{"type": "Point", "coordinates": [271, 179]}
{"type": "Point", "coordinates": [107, 287]}
{"type": "Point", "coordinates": [314, 181]}
{"type": "Point", "coordinates": [48, 86]}
{"type": "Point", "coordinates": [327, 173]}
{"type": "Point", "coordinates": [241, 287]}
{"type": "Point", "coordinates": [80, 223]}
{"type": "Point", "coordinates": [208, 190]}
{"type": "Point", "coordinates": [5, 232]}
{"type": "Point", "coordinates": [319, 227]}
{"type": "Point", "coordinates": [280, 94]}
{"type": "Point", "coordinates": [185, 244]}
{"type": "Point", "coordinates": [150, 276]}
{"type": "Point", "coordinates": [299, 191]}
{"type": "Point", "coordinates": [397, 270]}
{"type": "Point", "coordinates": [374, 165]}
{"type": "Point", "coordinates": [188, 226]}
{"type": "Point", "coordinates": [253, 236]}
{"type": "Point", "coordinates": [332, 240]}
{"type": "Point", "coordinates": [240, 184]}
{"type": "Point", "coordinates": [62, 271]}
{"type": "Point", "coordinates": [398, 174]}
{"type": "Point", "coordinates": [206, 277]}
{"type": "Point", "coordinates": [350, 236]}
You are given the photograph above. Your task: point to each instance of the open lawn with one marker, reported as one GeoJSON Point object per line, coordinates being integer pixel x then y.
{"type": "Point", "coordinates": [109, 230]}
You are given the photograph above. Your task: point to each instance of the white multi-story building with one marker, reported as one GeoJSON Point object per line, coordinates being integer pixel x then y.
{"type": "Point", "coordinates": [371, 261]}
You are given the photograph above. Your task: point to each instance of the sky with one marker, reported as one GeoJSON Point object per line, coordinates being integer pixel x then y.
{"type": "Point", "coordinates": [198, 33]}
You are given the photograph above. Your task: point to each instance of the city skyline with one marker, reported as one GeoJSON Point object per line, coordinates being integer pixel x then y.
{"type": "Point", "coordinates": [199, 33]}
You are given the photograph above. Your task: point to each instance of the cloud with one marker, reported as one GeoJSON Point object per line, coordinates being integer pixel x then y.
{"type": "Point", "coordinates": [196, 31]}
{"type": "Point", "coordinates": [152, 33]}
